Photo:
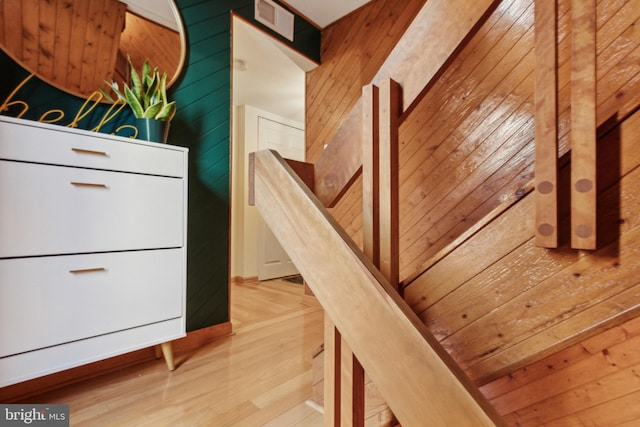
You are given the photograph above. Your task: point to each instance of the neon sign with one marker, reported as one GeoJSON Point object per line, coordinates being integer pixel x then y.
{"type": "Point", "coordinates": [57, 115]}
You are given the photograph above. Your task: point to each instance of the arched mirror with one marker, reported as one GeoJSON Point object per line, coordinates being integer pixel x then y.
{"type": "Point", "coordinates": [75, 45]}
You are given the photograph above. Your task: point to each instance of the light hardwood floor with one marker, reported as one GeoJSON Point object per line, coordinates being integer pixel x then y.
{"type": "Point", "coordinates": [260, 376]}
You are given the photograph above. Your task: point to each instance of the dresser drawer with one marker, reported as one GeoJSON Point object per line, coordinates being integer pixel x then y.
{"type": "Point", "coordinates": [53, 300]}
{"type": "Point", "coordinates": [40, 143]}
{"type": "Point", "coordinates": [49, 210]}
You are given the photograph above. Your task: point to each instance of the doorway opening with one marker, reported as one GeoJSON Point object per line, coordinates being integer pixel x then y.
{"type": "Point", "coordinates": [268, 98]}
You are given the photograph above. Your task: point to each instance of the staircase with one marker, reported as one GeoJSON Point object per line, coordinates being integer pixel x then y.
{"type": "Point", "coordinates": [471, 306]}
{"type": "Point", "coordinates": [417, 378]}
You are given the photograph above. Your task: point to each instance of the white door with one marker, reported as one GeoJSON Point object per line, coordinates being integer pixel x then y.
{"type": "Point", "coordinates": [273, 260]}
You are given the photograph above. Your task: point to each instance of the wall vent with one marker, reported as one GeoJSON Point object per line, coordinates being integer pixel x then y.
{"type": "Point", "coordinates": [275, 17]}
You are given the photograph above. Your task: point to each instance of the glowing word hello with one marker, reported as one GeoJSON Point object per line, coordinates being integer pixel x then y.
{"type": "Point", "coordinates": [56, 115]}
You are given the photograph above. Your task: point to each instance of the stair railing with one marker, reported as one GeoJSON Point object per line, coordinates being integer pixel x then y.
{"type": "Point", "coordinates": [414, 374]}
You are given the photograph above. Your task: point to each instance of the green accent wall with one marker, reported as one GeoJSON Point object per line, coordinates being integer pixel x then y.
{"type": "Point", "coordinates": [202, 123]}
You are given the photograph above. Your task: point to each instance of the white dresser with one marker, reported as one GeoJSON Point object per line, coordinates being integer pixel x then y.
{"type": "Point", "coordinates": [92, 247]}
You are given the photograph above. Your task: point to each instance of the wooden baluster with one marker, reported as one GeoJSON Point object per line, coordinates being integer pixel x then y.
{"type": "Point", "coordinates": [370, 219]}
{"type": "Point", "coordinates": [332, 343]}
{"type": "Point", "coordinates": [583, 124]}
{"type": "Point", "coordinates": [352, 388]}
{"type": "Point", "coordinates": [546, 124]}
{"type": "Point", "coordinates": [344, 376]}
{"type": "Point", "coordinates": [381, 108]}
{"type": "Point", "coordinates": [390, 108]}
{"type": "Point", "coordinates": [370, 174]}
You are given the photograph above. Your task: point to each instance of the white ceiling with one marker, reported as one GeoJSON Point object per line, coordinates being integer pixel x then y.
{"type": "Point", "coordinates": [264, 76]}
{"type": "Point", "coordinates": [273, 78]}
{"type": "Point", "coordinates": [161, 12]}
{"type": "Point", "coordinates": [325, 12]}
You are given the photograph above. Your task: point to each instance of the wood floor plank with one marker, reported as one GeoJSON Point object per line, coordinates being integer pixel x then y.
{"type": "Point", "coordinates": [260, 375]}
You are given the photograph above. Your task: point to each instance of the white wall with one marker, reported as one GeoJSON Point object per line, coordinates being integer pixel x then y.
{"type": "Point", "coordinates": [244, 218]}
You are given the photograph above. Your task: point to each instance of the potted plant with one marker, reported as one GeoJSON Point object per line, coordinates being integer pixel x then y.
{"type": "Point", "coordinates": [147, 98]}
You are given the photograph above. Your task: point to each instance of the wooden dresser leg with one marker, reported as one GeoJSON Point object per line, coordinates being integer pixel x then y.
{"type": "Point", "coordinates": [167, 351]}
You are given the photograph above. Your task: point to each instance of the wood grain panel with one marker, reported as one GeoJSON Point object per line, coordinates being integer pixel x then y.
{"type": "Point", "coordinates": [580, 296]}
{"type": "Point", "coordinates": [351, 389]}
{"type": "Point", "coordinates": [598, 385]}
{"type": "Point", "coordinates": [583, 124]}
{"type": "Point", "coordinates": [546, 119]}
{"type": "Point", "coordinates": [64, 19]}
{"type": "Point", "coordinates": [370, 174]}
{"type": "Point", "coordinates": [74, 44]}
{"type": "Point", "coordinates": [349, 213]}
{"type": "Point", "coordinates": [479, 46]}
{"type": "Point", "coordinates": [332, 350]}
{"type": "Point", "coordinates": [349, 209]}
{"type": "Point", "coordinates": [344, 75]}
{"type": "Point", "coordinates": [11, 26]}
{"type": "Point", "coordinates": [579, 382]}
{"type": "Point", "coordinates": [353, 51]}
{"type": "Point", "coordinates": [140, 36]}
{"type": "Point", "coordinates": [390, 108]}
{"type": "Point", "coordinates": [623, 412]}
{"type": "Point", "coordinates": [523, 275]}
{"type": "Point", "coordinates": [91, 47]}
{"type": "Point", "coordinates": [467, 148]}
{"type": "Point", "coordinates": [46, 40]}
{"type": "Point", "coordinates": [483, 95]}
{"type": "Point", "coordinates": [446, 39]}
{"type": "Point", "coordinates": [445, 276]}
{"type": "Point", "coordinates": [430, 240]}
{"type": "Point", "coordinates": [422, 140]}
{"type": "Point", "coordinates": [340, 84]}
{"type": "Point", "coordinates": [76, 49]}
{"type": "Point", "coordinates": [30, 33]}
{"type": "Point", "coordinates": [612, 361]}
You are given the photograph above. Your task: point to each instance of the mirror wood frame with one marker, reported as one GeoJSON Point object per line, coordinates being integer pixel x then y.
{"type": "Point", "coordinates": [38, 36]}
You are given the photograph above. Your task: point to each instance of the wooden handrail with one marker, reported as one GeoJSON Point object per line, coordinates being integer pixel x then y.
{"type": "Point", "coordinates": [415, 375]}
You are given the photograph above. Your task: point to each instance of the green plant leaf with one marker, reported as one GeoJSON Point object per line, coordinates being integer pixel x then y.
{"type": "Point", "coordinates": [163, 88]}
{"type": "Point", "coordinates": [150, 96]}
{"type": "Point", "coordinates": [146, 71]}
{"type": "Point", "coordinates": [152, 111]}
{"type": "Point", "coordinates": [146, 94]}
{"type": "Point", "coordinates": [116, 89]}
{"type": "Point", "coordinates": [106, 95]}
{"type": "Point", "coordinates": [167, 112]}
{"type": "Point", "coordinates": [134, 103]}
{"type": "Point", "coordinates": [136, 83]}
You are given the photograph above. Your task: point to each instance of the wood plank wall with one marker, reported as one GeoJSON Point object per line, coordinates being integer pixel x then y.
{"type": "Point", "coordinates": [70, 45]}
{"type": "Point", "coordinates": [593, 383]}
{"type": "Point", "coordinates": [142, 36]}
{"type": "Point", "coordinates": [497, 302]}
{"type": "Point", "coordinates": [352, 51]}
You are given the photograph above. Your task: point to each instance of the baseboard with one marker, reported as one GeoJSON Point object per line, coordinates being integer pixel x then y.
{"type": "Point", "coordinates": [193, 341]}
{"type": "Point", "coordinates": [244, 280]}
{"type": "Point", "coordinates": [198, 338]}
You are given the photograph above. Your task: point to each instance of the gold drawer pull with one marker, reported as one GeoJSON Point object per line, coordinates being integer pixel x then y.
{"type": "Point", "coordinates": [83, 151]}
{"type": "Point", "coordinates": [87, 270]}
{"type": "Point", "coordinates": [87, 184]}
